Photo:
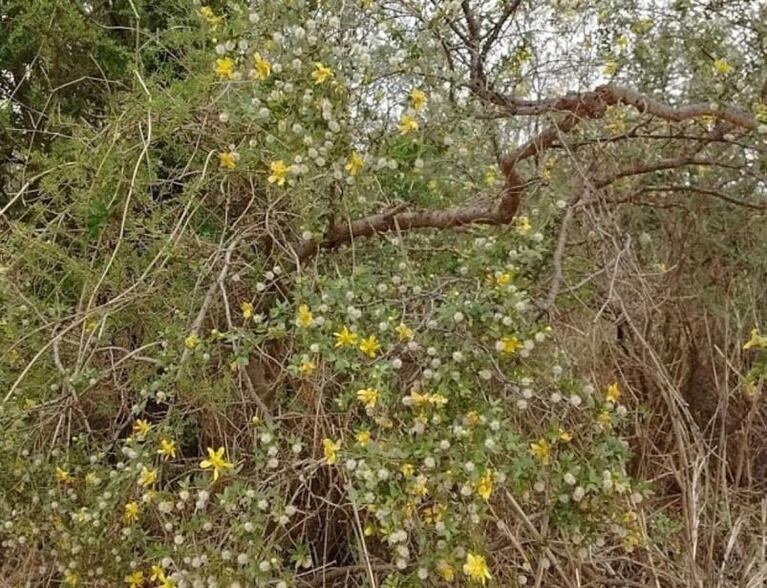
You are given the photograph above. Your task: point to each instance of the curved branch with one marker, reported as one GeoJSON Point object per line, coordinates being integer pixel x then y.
{"type": "Point", "coordinates": [648, 105]}
{"type": "Point", "coordinates": [589, 105]}
{"type": "Point", "coordinates": [609, 95]}
{"type": "Point", "coordinates": [497, 213]}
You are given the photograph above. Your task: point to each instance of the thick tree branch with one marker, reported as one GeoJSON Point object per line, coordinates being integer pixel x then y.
{"type": "Point", "coordinates": [648, 105]}
{"type": "Point", "coordinates": [578, 107]}
{"type": "Point", "coordinates": [477, 67]}
{"type": "Point", "coordinates": [610, 95]}
{"type": "Point", "coordinates": [496, 213]}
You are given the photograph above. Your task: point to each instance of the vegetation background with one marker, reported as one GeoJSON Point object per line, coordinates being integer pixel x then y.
{"type": "Point", "coordinates": [383, 293]}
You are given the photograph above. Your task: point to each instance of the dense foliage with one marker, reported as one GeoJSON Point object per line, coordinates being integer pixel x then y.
{"type": "Point", "coordinates": [382, 293]}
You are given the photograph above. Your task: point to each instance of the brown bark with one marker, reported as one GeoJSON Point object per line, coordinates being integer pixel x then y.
{"type": "Point", "coordinates": [576, 108]}
{"type": "Point", "coordinates": [497, 213]}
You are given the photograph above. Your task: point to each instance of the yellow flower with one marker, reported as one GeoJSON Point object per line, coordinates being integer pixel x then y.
{"type": "Point", "coordinates": [225, 68]}
{"type": "Point", "coordinates": [354, 164]}
{"type": "Point", "coordinates": [541, 450]}
{"type": "Point", "coordinates": [192, 341]}
{"type": "Point", "coordinates": [147, 477]}
{"type": "Point", "coordinates": [407, 470]}
{"type": "Point", "coordinates": [565, 436]}
{"type": "Point", "coordinates": [642, 26]}
{"type": "Point", "coordinates": [523, 54]}
{"type": "Point", "coordinates": [604, 419]}
{"type": "Point", "coordinates": [80, 516]}
{"type": "Point", "coordinates": [757, 340]}
{"type": "Point", "coordinates": [610, 68]}
{"type": "Point", "coordinates": [408, 124]}
{"type": "Point", "coordinates": [472, 418]}
{"type": "Point", "coordinates": [304, 317]}
{"type": "Point", "coordinates": [210, 18]}
{"type": "Point", "coordinates": [91, 479]}
{"type": "Point", "coordinates": [721, 66]}
{"type": "Point", "coordinates": [141, 427]}
{"type": "Point", "coordinates": [613, 393]}
{"type": "Point", "coordinates": [419, 488]}
{"type": "Point", "coordinates": [370, 346]}
{"type": "Point", "coordinates": [167, 448]}
{"type": "Point", "coordinates": [130, 514]}
{"type": "Point", "coordinates": [417, 99]}
{"type": "Point", "coordinates": [263, 67]}
{"type": "Point", "coordinates": [435, 514]}
{"type": "Point", "coordinates": [216, 461]}
{"type": "Point", "coordinates": [760, 109]}
{"type": "Point", "coordinates": [632, 540]}
{"type": "Point", "coordinates": [490, 175]}
{"type": "Point", "coordinates": [476, 568]}
{"type": "Point", "coordinates": [446, 571]}
{"type": "Point", "coordinates": [279, 172]}
{"type": "Point", "coordinates": [616, 125]}
{"type": "Point", "coordinates": [502, 279]}
{"type": "Point", "coordinates": [750, 389]}
{"type": "Point", "coordinates": [71, 578]}
{"type": "Point", "coordinates": [404, 332]}
{"type": "Point", "coordinates": [485, 485]}
{"type": "Point", "coordinates": [523, 225]}
{"type": "Point", "coordinates": [363, 438]}
{"type": "Point", "coordinates": [158, 575]}
{"type": "Point", "coordinates": [134, 579]}
{"type": "Point", "coordinates": [63, 476]}
{"type": "Point", "coordinates": [345, 338]}
{"type": "Point", "coordinates": [13, 355]}
{"type": "Point", "coordinates": [330, 449]}
{"type": "Point", "coordinates": [227, 160]}
{"type": "Point", "coordinates": [509, 345]}
{"type": "Point", "coordinates": [307, 368]}
{"type": "Point", "coordinates": [368, 397]}
{"type": "Point", "coordinates": [247, 310]}
{"type": "Point", "coordinates": [321, 73]}
{"type": "Point", "coordinates": [547, 168]}
{"type": "Point", "coordinates": [437, 399]}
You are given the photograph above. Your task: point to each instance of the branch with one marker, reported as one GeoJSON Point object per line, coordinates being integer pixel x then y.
{"type": "Point", "coordinates": [697, 190]}
{"type": "Point", "coordinates": [593, 105]}
{"type": "Point", "coordinates": [646, 168]}
{"type": "Point", "coordinates": [579, 107]}
{"type": "Point", "coordinates": [496, 213]}
{"type": "Point", "coordinates": [611, 95]}
{"type": "Point", "coordinates": [491, 37]}
{"type": "Point", "coordinates": [646, 104]}
{"type": "Point", "coordinates": [477, 68]}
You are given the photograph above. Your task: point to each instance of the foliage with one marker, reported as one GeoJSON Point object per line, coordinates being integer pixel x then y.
{"type": "Point", "coordinates": [272, 315]}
